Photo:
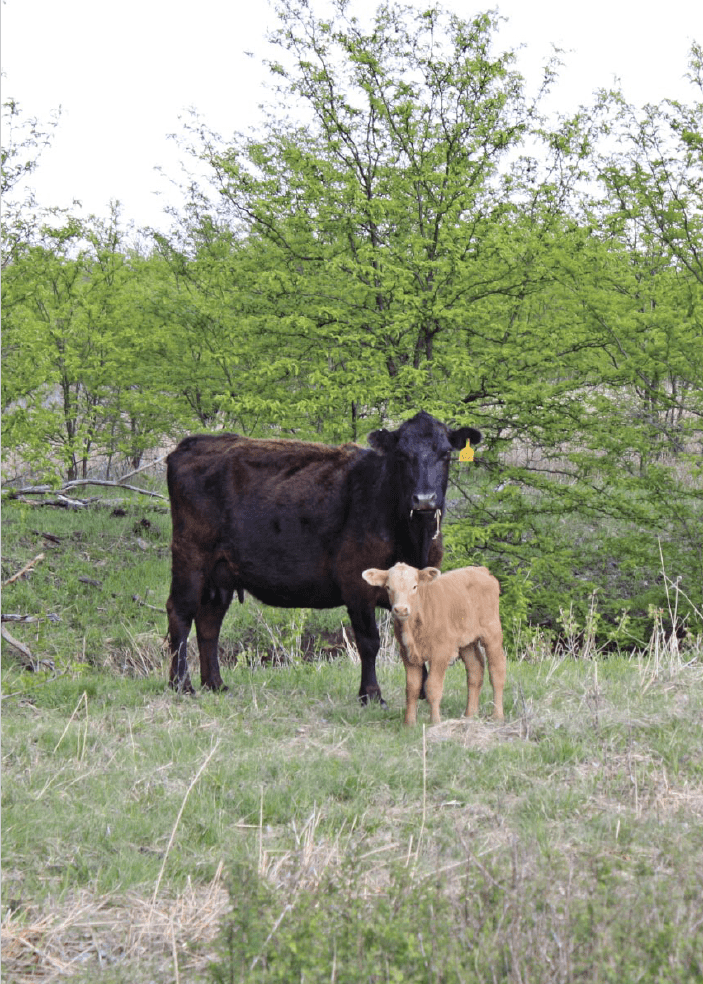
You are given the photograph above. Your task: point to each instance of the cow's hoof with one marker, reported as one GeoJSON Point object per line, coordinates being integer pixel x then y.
{"type": "Point", "coordinates": [373, 698]}
{"type": "Point", "coordinates": [182, 687]}
{"type": "Point", "coordinates": [217, 687]}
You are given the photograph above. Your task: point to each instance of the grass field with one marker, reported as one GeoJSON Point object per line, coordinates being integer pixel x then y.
{"type": "Point", "coordinates": [282, 833]}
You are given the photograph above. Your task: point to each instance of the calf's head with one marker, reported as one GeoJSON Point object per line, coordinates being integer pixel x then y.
{"type": "Point", "coordinates": [401, 582]}
{"type": "Point", "coordinates": [417, 460]}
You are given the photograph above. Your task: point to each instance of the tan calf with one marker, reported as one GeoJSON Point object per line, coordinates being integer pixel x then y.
{"type": "Point", "coordinates": [438, 617]}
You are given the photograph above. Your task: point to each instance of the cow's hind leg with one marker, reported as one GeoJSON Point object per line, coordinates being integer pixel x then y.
{"type": "Point", "coordinates": [180, 618]}
{"type": "Point", "coordinates": [368, 641]}
{"type": "Point", "coordinates": [473, 661]}
{"type": "Point", "coordinates": [208, 621]}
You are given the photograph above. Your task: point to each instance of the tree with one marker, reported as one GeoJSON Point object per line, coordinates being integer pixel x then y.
{"type": "Point", "coordinates": [24, 139]}
{"type": "Point", "coordinates": [606, 484]}
{"type": "Point", "coordinates": [405, 248]}
{"type": "Point", "coordinates": [82, 348]}
{"type": "Point", "coordinates": [383, 222]}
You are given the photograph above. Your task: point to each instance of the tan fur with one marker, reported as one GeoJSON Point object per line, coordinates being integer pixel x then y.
{"type": "Point", "coordinates": [438, 617]}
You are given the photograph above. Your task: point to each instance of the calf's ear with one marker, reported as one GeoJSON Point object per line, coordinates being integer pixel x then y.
{"type": "Point", "coordinates": [458, 438]}
{"type": "Point", "coordinates": [373, 576]}
{"type": "Point", "coordinates": [429, 574]}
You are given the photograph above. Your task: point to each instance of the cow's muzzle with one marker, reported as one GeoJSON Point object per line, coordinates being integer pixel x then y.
{"type": "Point", "coordinates": [437, 516]}
{"type": "Point", "coordinates": [424, 501]}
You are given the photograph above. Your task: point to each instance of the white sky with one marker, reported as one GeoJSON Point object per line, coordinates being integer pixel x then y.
{"type": "Point", "coordinates": [123, 74]}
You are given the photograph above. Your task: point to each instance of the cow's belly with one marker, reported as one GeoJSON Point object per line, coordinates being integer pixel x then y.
{"type": "Point", "coordinates": [291, 558]}
{"type": "Point", "coordinates": [304, 596]}
{"type": "Point", "coordinates": [289, 578]}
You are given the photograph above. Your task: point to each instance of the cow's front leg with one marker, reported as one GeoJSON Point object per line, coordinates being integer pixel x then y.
{"type": "Point", "coordinates": [368, 641]}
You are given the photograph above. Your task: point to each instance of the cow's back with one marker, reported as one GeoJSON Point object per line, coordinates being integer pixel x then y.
{"type": "Point", "coordinates": [208, 472]}
{"type": "Point", "coordinates": [273, 511]}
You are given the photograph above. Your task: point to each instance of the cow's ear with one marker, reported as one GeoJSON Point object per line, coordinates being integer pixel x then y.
{"type": "Point", "coordinates": [383, 440]}
{"type": "Point", "coordinates": [373, 576]}
{"type": "Point", "coordinates": [429, 574]}
{"type": "Point", "coordinates": [458, 438]}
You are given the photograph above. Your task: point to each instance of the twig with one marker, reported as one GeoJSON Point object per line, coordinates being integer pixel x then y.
{"type": "Point", "coordinates": [174, 951]}
{"type": "Point", "coordinates": [144, 604]}
{"type": "Point", "coordinates": [142, 468]}
{"type": "Point", "coordinates": [51, 537]}
{"type": "Point", "coordinates": [42, 683]}
{"type": "Point", "coordinates": [424, 794]}
{"type": "Point", "coordinates": [83, 699]}
{"type": "Point", "coordinates": [261, 833]}
{"type": "Point", "coordinates": [268, 939]}
{"type": "Point", "coordinates": [28, 566]}
{"type": "Point", "coordinates": [178, 820]}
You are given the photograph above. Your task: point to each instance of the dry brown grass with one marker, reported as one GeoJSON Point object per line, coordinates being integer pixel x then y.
{"type": "Point", "coordinates": [50, 942]}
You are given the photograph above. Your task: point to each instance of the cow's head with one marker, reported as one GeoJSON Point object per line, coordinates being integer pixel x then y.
{"type": "Point", "coordinates": [401, 582]}
{"type": "Point", "coordinates": [418, 455]}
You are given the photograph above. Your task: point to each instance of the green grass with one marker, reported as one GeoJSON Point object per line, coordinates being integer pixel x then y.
{"type": "Point", "coordinates": [282, 833]}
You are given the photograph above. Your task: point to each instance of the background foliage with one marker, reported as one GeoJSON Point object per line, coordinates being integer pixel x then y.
{"type": "Point", "coordinates": [420, 236]}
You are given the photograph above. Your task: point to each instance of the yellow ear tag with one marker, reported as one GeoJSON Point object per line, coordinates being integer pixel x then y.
{"type": "Point", "coordinates": [467, 453]}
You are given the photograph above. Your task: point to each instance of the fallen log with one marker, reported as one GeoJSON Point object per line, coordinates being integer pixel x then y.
{"type": "Point", "coordinates": [79, 482]}
{"type": "Point", "coordinates": [26, 658]}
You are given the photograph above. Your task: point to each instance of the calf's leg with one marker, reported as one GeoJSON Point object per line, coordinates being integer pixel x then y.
{"type": "Point", "coordinates": [497, 668]}
{"type": "Point", "coordinates": [473, 661]}
{"type": "Point", "coordinates": [413, 684]}
{"type": "Point", "coordinates": [434, 686]}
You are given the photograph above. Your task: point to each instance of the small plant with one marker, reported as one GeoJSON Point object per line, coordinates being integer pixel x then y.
{"type": "Point", "coordinates": [578, 641]}
{"type": "Point", "coordinates": [286, 638]}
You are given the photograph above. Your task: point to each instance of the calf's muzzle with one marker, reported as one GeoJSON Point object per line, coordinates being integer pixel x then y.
{"type": "Point", "coordinates": [401, 612]}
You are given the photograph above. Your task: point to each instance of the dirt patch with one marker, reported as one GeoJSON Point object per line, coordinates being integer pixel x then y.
{"type": "Point", "coordinates": [476, 733]}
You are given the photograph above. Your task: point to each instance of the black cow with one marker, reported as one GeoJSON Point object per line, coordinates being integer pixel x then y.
{"type": "Point", "coordinates": [295, 524]}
